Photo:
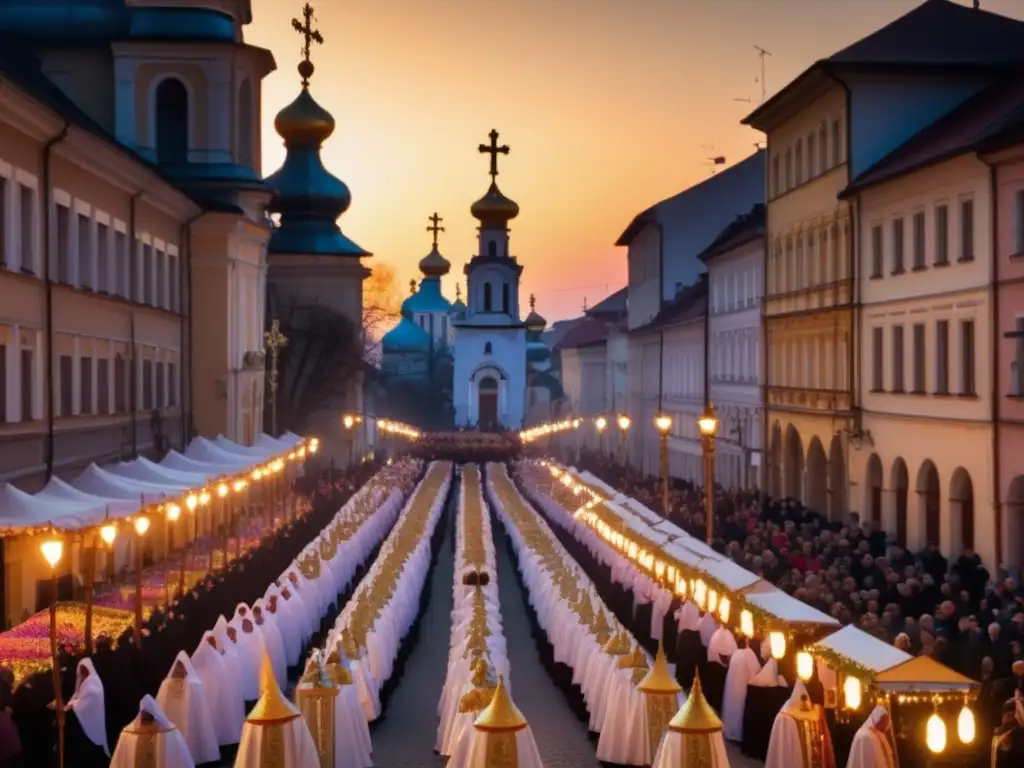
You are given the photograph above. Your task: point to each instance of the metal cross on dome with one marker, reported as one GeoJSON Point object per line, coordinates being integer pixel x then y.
{"type": "Point", "coordinates": [310, 35]}
{"type": "Point", "coordinates": [494, 150]}
{"type": "Point", "coordinates": [434, 227]}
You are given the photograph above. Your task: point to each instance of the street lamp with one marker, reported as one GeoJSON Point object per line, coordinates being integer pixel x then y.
{"type": "Point", "coordinates": [707, 424]}
{"type": "Point", "coordinates": [53, 551]}
{"type": "Point", "coordinates": [600, 423]}
{"type": "Point", "coordinates": [349, 421]}
{"type": "Point", "coordinates": [664, 425]}
{"type": "Point", "coordinates": [624, 422]}
{"type": "Point", "coordinates": [141, 526]}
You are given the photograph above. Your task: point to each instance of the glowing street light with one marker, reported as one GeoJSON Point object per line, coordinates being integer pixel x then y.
{"type": "Point", "coordinates": [707, 424]}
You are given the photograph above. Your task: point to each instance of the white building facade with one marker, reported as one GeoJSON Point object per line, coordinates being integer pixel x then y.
{"type": "Point", "coordinates": [735, 263]}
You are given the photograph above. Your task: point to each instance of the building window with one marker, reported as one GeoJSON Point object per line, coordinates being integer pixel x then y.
{"type": "Point", "coordinates": [85, 260]}
{"type": "Point", "coordinates": [173, 282]}
{"type": "Point", "coordinates": [147, 385]}
{"type": "Point", "coordinates": [799, 152]}
{"type": "Point", "coordinates": [1017, 366]}
{"type": "Point", "coordinates": [812, 157]}
{"type": "Point", "coordinates": [505, 298]}
{"type": "Point", "coordinates": [966, 230]}
{"type": "Point", "coordinates": [147, 276]}
{"type": "Point", "coordinates": [897, 358]}
{"type": "Point", "coordinates": [967, 383]}
{"type": "Point", "coordinates": [919, 358]}
{"type": "Point", "coordinates": [941, 234]}
{"type": "Point", "coordinates": [103, 386]}
{"type": "Point", "coordinates": [63, 244]}
{"type": "Point", "coordinates": [492, 250]}
{"type": "Point", "coordinates": [822, 149]}
{"type": "Point", "coordinates": [898, 241]}
{"type": "Point", "coordinates": [487, 297]}
{"type": "Point", "coordinates": [942, 357]}
{"type": "Point", "coordinates": [120, 385]}
{"type": "Point", "coordinates": [919, 240]}
{"type": "Point", "coordinates": [172, 385]}
{"type": "Point", "coordinates": [789, 169]}
{"type": "Point", "coordinates": [85, 385]}
{"type": "Point", "coordinates": [102, 258]}
{"type": "Point", "coordinates": [160, 298]}
{"type": "Point", "coordinates": [836, 146]}
{"type": "Point", "coordinates": [67, 385]}
{"type": "Point", "coordinates": [161, 386]}
{"type": "Point", "coordinates": [775, 176]}
{"type": "Point", "coordinates": [28, 229]}
{"type": "Point", "coordinates": [28, 383]}
{"type": "Point", "coordinates": [487, 348]}
{"type": "Point", "coordinates": [172, 121]}
{"type": "Point", "coordinates": [878, 359]}
{"type": "Point", "coordinates": [877, 256]}
{"type": "Point", "coordinates": [121, 270]}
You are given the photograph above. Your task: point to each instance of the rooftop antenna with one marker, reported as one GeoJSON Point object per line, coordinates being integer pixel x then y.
{"type": "Point", "coordinates": [761, 52]}
{"type": "Point", "coordinates": [714, 160]}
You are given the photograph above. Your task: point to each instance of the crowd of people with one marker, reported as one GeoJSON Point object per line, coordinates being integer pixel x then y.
{"type": "Point", "coordinates": [954, 611]}
{"type": "Point", "coordinates": [27, 720]}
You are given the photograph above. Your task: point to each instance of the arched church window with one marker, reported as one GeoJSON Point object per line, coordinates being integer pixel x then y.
{"type": "Point", "coordinates": [244, 123]}
{"type": "Point", "coordinates": [492, 249]}
{"type": "Point", "coordinates": [487, 348]}
{"type": "Point", "coordinates": [172, 121]}
{"type": "Point", "coordinates": [487, 297]}
{"type": "Point", "coordinates": [504, 298]}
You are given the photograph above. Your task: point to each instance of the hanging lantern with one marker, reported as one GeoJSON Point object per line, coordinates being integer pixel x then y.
{"type": "Point", "coordinates": [747, 623]}
{"type": "Point", "coordinates": [965, 725]}
{"type": "Point", "coordinates": [777, 641]}
{"type": "Point", "coordinates": [723, 610]}
{"type": "Point", "coordinates": [712, 601]}
{"type": "Point", "coordinates": [804, 666]}
{"type": "Point", "coordinates": [681, 587]}
{"type": "Point", "coordinates": [700, 594]}
{"type": "Point", "coordinates": [935, 736]}
{"type": "Point", "coordinates": [852, 693]}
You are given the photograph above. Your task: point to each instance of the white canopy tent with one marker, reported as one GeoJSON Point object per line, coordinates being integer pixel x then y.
{"type": "Point", "coordinates": [99, 482]}
{"type": "Point", "coordinates": [180, 463]}
{"type": "Point", "coordinates": [138, 471]}
{"type": "Point", "coordinates": [19, 509]}
{"type": "Point", "coordinates": [203, 450]}
{"type": "Point", "coordinates": [58, 491]}
{"type": "Point", "coordinates": [253, 453]}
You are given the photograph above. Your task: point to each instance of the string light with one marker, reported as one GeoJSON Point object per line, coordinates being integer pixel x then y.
{"type": "Point", "coordinates": [173, 512]}
{"type": "Point", "coordinates": [141, 525]}
{"type": "Point", "coordinates": [777, 641]}
{"type": "Point", "coordinates": [852, 693]}
{"type": "Point", "coordinates": [747, 623]}
{"type": "Point", "coordinates": [192, 502]}
{"type": "Point", "coordinates": [222, 490]}
{"type": "Point", "coordinates": [935, 735]}
{"type": "Point", "coordinates": [723, 609]}
{"type": "Point", "coordinates": [966, 727]}
{"type": "Point", "coordinates": [108, 533]}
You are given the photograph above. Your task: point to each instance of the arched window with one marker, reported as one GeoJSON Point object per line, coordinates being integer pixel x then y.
{"type": "Point", "coordinates": [244, 123]}
{"type": "Point", "coordinates": [487, 297]}
{"type": "Point", "coordinates": [504, 298]}
{"type": "Point", "coordinates": [487, 348]}
{"type": "Point", "coordinates": [492, 249]}
{"type": "Point", "coordinates": [172, 121]}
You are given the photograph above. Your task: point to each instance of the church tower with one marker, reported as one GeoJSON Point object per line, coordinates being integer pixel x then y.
{"type": "Point", "coordinates": [315, 276]}
{"type": "Point", "coordinates": [490, 338]}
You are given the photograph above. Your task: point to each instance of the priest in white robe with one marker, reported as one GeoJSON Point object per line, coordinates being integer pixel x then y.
{"type": "Point", "coordinates": [707, 627]}
{"type": "Point", "coordinates": [501, 737]}
{"type": "Point", "coordinates": [621, 742]}
{"type": "Point", "coordinates": [274, 732]}
{"type": "Point", "coordinates": [800, 736]}
{"type": "Point", "coordinates": [743, 667]}
{"type": "Point", "coordinates": [182, 698]}
{"type": "Point", "coordinates": [872, 745]}
{"type": "Point", "coordinates": [350, 726]}
{"type": "Point", "coordinates": [223, 696]}
{"type": "Point", "coordinates": [694, 736]}
{"type": "Point", "coordinates": [87, 705]}
{"type": "Point", "coordinates": [151, 740]}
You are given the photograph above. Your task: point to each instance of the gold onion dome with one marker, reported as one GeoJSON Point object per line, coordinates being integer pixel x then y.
{"type": "Point", "coordinates": [304, 123]}
{"type": "Point", "coordinates": [659, 679]}
{"type": "Point", "coordinates": [696, 715]}
{"type": "Point", "coordinates": [272, 707]}
{"type": "Point", "coordinates": [501, 714]}
{"type": "Point", "coordinates": [434, 264]}
{"type": "Point", "coordinates": [494, 210]}
{"type": "Point", "coordinates": [535, 321]}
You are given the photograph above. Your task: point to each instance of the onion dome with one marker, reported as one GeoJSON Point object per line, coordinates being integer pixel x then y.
{"type": "Point", "coordinates": [304, 123]}
{"type": "Point", "coordinates": [434, 264]}
{"type": "Point", "coordinates": [494, 210]}
{"type": "Point", "coordinates": [696, 715]}
{"type": "Point", "coordinates": [458, 305]}
{"type": "Point", "coordinates": [405, 337]}
{"type": "Point", "coordinates": [501, 714]}
{"type": "Point", "coordinates": [534, 321]}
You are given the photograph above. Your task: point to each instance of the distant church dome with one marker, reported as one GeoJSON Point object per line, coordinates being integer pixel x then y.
{"type": "Point", "coordinates": [494, 210]}
{"type": "Point", "coordinates": [535, 323]}
{"type": "Point", "coordinates": [405, 337]}
{"type": "Point", "coordinates": [434, 264]}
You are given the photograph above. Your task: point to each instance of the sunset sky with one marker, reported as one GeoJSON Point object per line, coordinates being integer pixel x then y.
{"type": "Point", "coordinates": [608, 105]}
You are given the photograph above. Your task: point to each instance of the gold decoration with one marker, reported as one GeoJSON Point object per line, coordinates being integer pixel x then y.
{"type": "Point", "coordinates": [696, 715]}
{"type": "Point", "coordinates": [272, 708]}
{"type": "Point", "coordinates": [659, 679]}
{"type": "Point", "coordinates": [501, 714]}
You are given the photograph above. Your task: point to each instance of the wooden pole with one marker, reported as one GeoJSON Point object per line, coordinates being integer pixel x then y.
{"type": "Point", "coordinates": [58, 698]}
{"type": "Point", "coordinates": [90, 581]}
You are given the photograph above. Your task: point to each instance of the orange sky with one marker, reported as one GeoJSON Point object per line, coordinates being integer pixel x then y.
{"type": "Point", "coordinates": [608, 106]}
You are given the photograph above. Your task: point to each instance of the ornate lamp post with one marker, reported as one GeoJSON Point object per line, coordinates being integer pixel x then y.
{"type": "Point", "coordinates": [53, 551]}
{"type": "Point", "coordinates": [624, 422]}
{"type": "Point", "coordinates": [275, 341]}
{"type": "Point", "coordinates": [141, 527]}
{"type": "Point", "coordinates": [600, 423]}
{"type": "Point", "coordinates": [664, 425]}
{"type": "Point", "coordinates": [349, 421]}
{"type": "Point", "coordinates": [707, 424]}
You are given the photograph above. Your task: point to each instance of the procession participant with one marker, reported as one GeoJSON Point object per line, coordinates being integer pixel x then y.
{"type": "Point", "coordinates": [348, 714]}
{"type": "Point", "coordinates": [872, 745]}
{"type": "Point", "coordinates": [707, 627]}
{"type": "Point", "coordinates": [721, 647]}
{"type": "Point", "coordinates": [694, 736]}
{"type": "Point", "coordinates": [10, 740]}
{"type": "Point", "coordinates": [501, 737]}
{"type": "Point", "coordinates": [743, 668]}
{"type": "Point", "coordinates": [619, 742]}
{"type": "Point", "coordinates": [182, 698]}
{"type": "Point", "coordinates": [223, 697]}
{"type": "Point", "coordinates": [274, 642]}
{"type": "Point", "coordinates": [274, 732]}
{"type": "Point", "coordinates": [296, 598]}
{"type": "Point", "coordinates": [688, 650]}
{"type": "Point", "coordinates": [87, 730]}
{"type": "Point", "coordinates": [800, 737]}
{"type": "Point", "coordinates": [1008, 740]}
{"type": "Point", "coordinates": [479, 694]}
{"type": "Point", "coordinates": [661, 700]}
{"type": "Point", "coordinates": [227, 644]}
{"type": "Point", "coordinates": [288, 624]}
{"type": "Point", "coordinates": [252, 648]}
{"type": "Point", "coordinates": [151, 739]}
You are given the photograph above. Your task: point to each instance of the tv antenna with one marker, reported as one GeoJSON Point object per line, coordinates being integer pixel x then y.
{"type": "Point", "coordinates": [761, 53]}
{"type": "Point", "coordinates": [713, 161]}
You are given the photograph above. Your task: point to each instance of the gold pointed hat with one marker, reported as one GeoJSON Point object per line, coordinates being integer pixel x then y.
{"type": "Point", "coordinates": [659, 679]}
{"type": "Point", "coordinates": [272, 708]}
{"type": "Point", "coordinates": [696, 715]}
{"type": "Point", "coordinates": [501, 714]}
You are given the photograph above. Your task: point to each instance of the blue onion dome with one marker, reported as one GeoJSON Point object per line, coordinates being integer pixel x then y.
{"type": "Point", "coordinates": [434, 264]}
{"type": "Point", "coordinates": [494, 210]}
{"type": "Point", "coordinates": [537, 352]}
{"type": "Point", "coordinates": [405, 337]}
{"type": "Point", "coordinates": [458, 306]}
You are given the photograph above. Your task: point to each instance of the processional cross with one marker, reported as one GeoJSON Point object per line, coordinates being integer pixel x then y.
{"type": "Point", "coordinates": [310, 35]}
{"type": "Point", "coordinates": [435, 220]}
{"type": "Point", "coordinates": [274, 340]}
{"type": "Point", "coordinates": [494, 150]}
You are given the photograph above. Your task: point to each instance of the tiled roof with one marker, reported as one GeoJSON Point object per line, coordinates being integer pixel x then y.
{"type": "Point", "coordinates": [587, 333]}
{"type": "Point", "coordinates": [744, 229]}
{"type": "Point", "coordinates": [615, 304]}
{"type": "Point", "coordinates": [981, 120]}
{"type": "Point", "coordinates": [690, 304]}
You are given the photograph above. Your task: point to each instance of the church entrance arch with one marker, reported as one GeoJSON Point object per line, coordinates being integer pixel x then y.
{"type": "Point", "coordinates": [487, 403]}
